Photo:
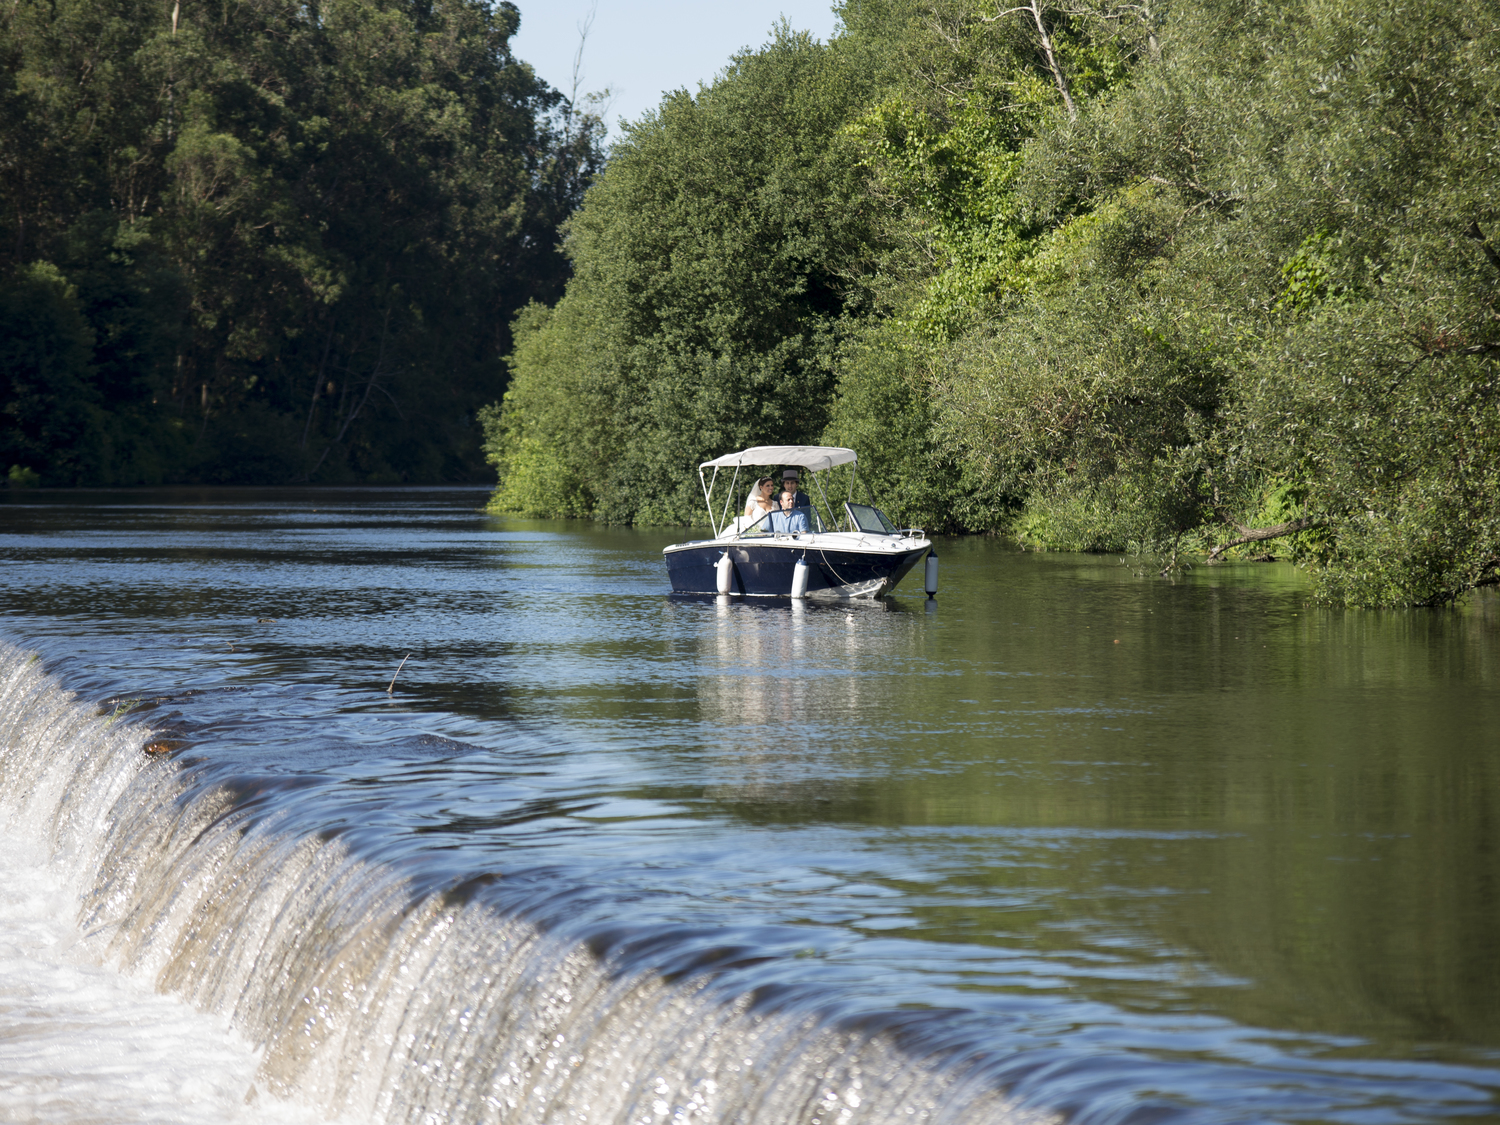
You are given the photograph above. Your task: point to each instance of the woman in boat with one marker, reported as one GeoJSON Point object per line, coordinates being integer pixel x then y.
{"type": "Point", "coordinates": [758, 503]}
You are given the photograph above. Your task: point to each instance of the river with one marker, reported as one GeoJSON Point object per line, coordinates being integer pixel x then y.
{"type": "Point", "coordinates": [1072, 842]}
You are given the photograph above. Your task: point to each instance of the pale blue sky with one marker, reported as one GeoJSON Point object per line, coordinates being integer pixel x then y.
{"type": "Point", "coordinates": [643, 48]}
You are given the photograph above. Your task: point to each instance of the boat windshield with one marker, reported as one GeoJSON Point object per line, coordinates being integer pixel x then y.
{"type": "Point", "coordinates": [777, 522]}
{"type": "Point", "coordinates": [867, 517]}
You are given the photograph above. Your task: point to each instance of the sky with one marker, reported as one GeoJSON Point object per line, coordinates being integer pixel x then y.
{"type": "Point", "coordinates": [640, 49]}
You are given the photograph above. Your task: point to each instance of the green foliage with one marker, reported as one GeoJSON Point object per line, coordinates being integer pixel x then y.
{"type": "Point", "coordinates": [946, 147]}
{"type": "Point", "coordinates": [883, 410]}
{"type": "Point", "coordinates": [1253, 278]}
{"type": "Point", "coordinates": [262, 208]}
{"type": "Point", "coordinates": [1151, 281]}
{"type": "Point", "coordinates": [547, 437]}
{"type": "Point", "coordinates": [1309, 276]}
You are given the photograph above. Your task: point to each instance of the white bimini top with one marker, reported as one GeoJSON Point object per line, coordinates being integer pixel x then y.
{"type": "Point", "coordinates": [814, 458]}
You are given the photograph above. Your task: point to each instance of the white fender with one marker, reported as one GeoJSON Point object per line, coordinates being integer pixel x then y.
{"type": "Point", "coordinates": [799, 579]}
{"type": "Point", "coordinates": [931, 575]}
{"type": "Point", "coordinates": [726, 573]}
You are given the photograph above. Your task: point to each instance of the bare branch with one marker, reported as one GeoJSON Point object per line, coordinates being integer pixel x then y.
{"type": "Point", "coordinates": [585, 25]}
{"type": "Point", "coordinates": [1034, 9]}
{"type": "Point", "coordinates": [375, 373]}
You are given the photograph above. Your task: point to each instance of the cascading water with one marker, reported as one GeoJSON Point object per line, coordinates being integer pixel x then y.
{"type": "Point", "coordinates": [393, 988]}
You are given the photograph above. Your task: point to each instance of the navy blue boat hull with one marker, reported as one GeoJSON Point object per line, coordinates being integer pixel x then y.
{"type": "Point", "coordinates": [765, 570]}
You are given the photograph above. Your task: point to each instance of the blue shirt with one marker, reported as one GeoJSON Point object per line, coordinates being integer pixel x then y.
{"type": "Point", "coordinates": [795, 520]}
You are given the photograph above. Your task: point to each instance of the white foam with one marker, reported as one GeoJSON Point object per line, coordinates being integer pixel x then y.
{"type": "Point", "coordinates": [372, 1000]}
{"type": "Point", "coordinates": [80, 1043]}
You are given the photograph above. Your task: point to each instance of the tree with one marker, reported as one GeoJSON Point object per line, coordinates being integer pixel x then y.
{"type": "Point", "coordinates": [715, 261]}
{"type": "Point", "coordinates": [316, 176]}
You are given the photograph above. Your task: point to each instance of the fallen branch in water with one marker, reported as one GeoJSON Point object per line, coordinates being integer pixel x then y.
{"type": "Point", "coordinates": [392, 689]}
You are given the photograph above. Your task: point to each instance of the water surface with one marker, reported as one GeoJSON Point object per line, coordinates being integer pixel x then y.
{"type": "Point", "coordinates": [1111, 846]}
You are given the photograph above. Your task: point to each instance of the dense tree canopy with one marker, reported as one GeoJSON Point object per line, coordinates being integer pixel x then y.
{"type": "Point", "coordinates": [1214, 278]}
{"type": "Point", "coordinates": [262, 241]}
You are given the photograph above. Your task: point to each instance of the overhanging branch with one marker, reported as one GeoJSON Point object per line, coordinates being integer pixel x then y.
{"type": "Point", "coordinates": [1258, 534]}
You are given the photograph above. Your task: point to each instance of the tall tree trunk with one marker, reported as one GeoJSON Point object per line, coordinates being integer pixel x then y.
{"type": "Point", "coordinates": [1034, 9]}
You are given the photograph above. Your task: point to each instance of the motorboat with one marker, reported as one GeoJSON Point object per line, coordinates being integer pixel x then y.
{"type": "Point", "coordinates": [817, 551]}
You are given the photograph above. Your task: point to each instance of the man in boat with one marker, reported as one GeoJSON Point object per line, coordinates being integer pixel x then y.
{"type": "Point", "coordinates": [785, 511]}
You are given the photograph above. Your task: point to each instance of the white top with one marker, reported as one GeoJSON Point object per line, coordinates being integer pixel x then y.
{"type": "Point", "coordinates": [814, 458]}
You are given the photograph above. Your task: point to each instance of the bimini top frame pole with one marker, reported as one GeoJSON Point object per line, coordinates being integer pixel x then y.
{"type": "Point", "coordinates": [708, 498]}
{"type": "Point", "coordinates": [827, 507]}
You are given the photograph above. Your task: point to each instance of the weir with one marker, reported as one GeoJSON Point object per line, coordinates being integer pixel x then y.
{"type": "Point", "coordinates": [402, 991]}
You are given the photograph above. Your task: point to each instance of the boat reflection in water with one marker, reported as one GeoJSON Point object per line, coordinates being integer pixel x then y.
{"type": "Point", "coordinates": [817, 551]}
{"type": "Point", "coordinates": [776, 678]}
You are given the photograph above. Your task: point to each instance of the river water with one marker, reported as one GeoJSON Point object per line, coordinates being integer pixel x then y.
{"type": "Point", "coordinates": [1073, 842]}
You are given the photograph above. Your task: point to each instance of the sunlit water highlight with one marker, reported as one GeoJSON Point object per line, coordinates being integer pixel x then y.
{"type": "Point", "coordinates": [1072, 842]}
